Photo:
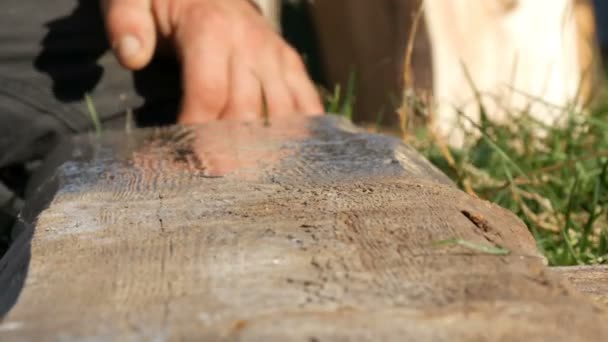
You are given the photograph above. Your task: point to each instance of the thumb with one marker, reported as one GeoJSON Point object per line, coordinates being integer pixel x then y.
{"type": "Point", "coordinates": [131, 31]}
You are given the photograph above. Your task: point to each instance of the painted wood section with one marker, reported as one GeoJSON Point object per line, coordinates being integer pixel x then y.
{"type": "Point", "coordinates": [304, 230]}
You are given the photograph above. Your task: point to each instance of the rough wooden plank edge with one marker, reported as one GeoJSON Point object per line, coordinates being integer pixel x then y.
{"type": "Point", "coordinates": [590, 280]}
{"type": "Point", "coordinates": [336, 241]}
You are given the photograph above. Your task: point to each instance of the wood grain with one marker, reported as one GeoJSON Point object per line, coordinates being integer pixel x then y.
{"type": "Point", "coordinates": [590, 280]}
{"type": "Point", "coordinates": [300, 231]}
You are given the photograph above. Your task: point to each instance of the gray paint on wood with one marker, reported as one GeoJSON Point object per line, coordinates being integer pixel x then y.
{"type": "Point", "coordinates": [303, 230]}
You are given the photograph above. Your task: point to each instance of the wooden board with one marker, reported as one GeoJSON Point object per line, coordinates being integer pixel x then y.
{"type": "Point", "coordinates": [590, 280]}
{"type": "Point", "coordinates": [298, 230]}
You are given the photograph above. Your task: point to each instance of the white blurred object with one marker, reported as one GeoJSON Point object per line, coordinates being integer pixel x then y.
{"type": "Point", "coordinates": [271, 10]}
{"type": "Point", "coordinates": [521, 55]}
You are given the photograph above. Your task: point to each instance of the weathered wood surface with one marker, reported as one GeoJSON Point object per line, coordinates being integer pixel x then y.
{"type": "Point", "coordinates": [590, 280]}
{"type": "Point", "coordinates": [302, 230]}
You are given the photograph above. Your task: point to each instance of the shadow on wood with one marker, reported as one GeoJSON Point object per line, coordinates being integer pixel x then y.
{"type": "Point", "coordinates": [297, 230]}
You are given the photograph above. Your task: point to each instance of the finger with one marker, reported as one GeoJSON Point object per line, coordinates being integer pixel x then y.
{"type": "Point", "coordinates": [306, 98]}
{"type": "Point", "coordinates": [204, 58]}
{"type": "Point", "coordinates": [245, 93]}
{"type": "Point", "coordinates": [131, 31]}
{"type": "Point", "coordinates": [276, 93]}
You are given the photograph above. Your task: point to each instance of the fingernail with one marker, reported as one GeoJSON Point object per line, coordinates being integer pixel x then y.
{"type": "Point", "coordinates": [128, 46]}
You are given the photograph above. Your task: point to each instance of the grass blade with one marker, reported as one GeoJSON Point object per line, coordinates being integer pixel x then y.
{"type": "Point", "coordinates": [93, 113]}
{"type": "Point", "coordinates": [486, 249]}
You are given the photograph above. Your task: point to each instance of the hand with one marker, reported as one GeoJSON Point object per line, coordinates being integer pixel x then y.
{"type": "Point", "coordinates": [231, 58]}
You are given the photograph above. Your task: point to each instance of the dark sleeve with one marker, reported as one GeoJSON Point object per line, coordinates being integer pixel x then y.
{"type": "Point", "coordinates": [52, 53]}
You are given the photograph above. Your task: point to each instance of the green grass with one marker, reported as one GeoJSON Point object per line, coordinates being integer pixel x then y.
{"type": "Point", "coordinates": [557, 184]}
{"type": "Point", "coordinates": [93, 114]}
{"type": "Point", "coordinates": [487, 249]}
{"type": "Point", "coordinates": [339, 101]}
